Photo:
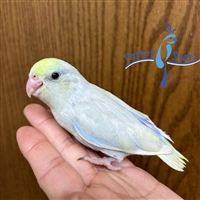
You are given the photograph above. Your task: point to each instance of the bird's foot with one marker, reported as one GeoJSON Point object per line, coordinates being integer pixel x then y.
{"type": "Point", "coordinates": [106, 161]}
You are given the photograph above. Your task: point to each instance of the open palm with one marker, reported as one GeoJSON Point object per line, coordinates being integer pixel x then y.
{"type": "Point", "coordinates": [52, 153]}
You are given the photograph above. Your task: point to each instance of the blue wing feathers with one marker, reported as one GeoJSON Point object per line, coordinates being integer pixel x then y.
{"type": "Point", "coordinates": [117, 127]}
{"type": "Point", "coordinates": [169, 50]}
{"type": "Point", "coordinates": [152, 126]}
{"type": "Point", "coordinates": [89, 138]}
{"type": "Point", "coordinates": [159, 62]}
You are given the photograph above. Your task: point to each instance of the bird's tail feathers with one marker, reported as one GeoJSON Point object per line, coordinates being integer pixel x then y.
{"type": "Point", "coordinates": [175, 160]}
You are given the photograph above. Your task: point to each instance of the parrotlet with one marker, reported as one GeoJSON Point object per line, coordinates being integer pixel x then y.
{"type": "Point", "coordinates": [96, 118]}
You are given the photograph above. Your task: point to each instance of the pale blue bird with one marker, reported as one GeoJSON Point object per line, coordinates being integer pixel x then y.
{"type": "Point", "coordinates": [97, 118]}
{"type": "Point", "coordinates": [164, 51]}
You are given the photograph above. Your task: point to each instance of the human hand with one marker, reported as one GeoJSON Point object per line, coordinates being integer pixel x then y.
{"type": "Point", "coordinates": [53, 153]}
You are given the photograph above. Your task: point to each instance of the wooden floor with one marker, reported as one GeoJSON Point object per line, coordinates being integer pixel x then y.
{"type": "Point", "coordinates": [94, 36]}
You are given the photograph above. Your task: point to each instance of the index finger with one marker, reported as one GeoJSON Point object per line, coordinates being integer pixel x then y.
{"type": "Point", "coordinates": [43, 120]}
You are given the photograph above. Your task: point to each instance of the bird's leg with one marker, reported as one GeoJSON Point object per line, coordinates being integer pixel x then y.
{"type": "Point", "coordinates": [106, 161]}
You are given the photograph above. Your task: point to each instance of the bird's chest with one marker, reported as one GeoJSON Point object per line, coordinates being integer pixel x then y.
{"type": "Point", "coordinates": [65, 117]}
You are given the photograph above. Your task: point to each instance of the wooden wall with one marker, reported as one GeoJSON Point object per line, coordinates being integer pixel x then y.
{"type": "Point", "coordinates": [94, 36]}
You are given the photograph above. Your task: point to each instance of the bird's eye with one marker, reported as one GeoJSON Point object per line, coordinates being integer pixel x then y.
{"type": "Point", "coordinates": [170, 38]}
{"type": "Point", "coordinates": [55, 75]}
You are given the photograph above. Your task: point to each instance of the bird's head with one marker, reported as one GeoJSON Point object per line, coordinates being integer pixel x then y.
{"type": "Point", "coordinates": [50, 78]}
{"type": "Point", "coordinates": [170, 39]}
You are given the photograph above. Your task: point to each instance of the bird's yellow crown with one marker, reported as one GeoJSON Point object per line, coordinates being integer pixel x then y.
{"type": "Point", "coordinates": [44, 65]}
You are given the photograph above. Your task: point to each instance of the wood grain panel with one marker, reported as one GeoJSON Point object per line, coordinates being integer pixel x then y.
{"type": "Point", "coordinates": [94, 36]}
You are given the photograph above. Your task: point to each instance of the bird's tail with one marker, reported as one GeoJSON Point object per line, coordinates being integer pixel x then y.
{"type": "Point", "coordinates": [175, 160]}
{"type": "Point", "coordinates": [164, 80]}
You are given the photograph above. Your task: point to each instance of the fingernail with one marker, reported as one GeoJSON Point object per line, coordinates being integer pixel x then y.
{"type": "Point", "coordinates": [74, 198]}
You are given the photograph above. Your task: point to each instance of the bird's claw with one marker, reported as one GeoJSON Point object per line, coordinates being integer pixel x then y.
{"type": "Point", "coordinates": [106, 161]}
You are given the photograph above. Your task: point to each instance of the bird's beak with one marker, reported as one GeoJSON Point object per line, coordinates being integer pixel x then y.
{"type": "Point", "coordinates": [32, 86]}
{"type": "Point", "coordinates": [175, 39]}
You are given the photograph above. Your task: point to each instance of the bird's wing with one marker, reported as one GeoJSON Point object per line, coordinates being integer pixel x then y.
{"type": "Point", "coordinates": [159, 62]}
{"type": "Point", "coordinates": [169, 50]}
{"type": "Point", "coordinates": [106, 124]}
{"type": "Point", "coordinates": [144, 119]}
